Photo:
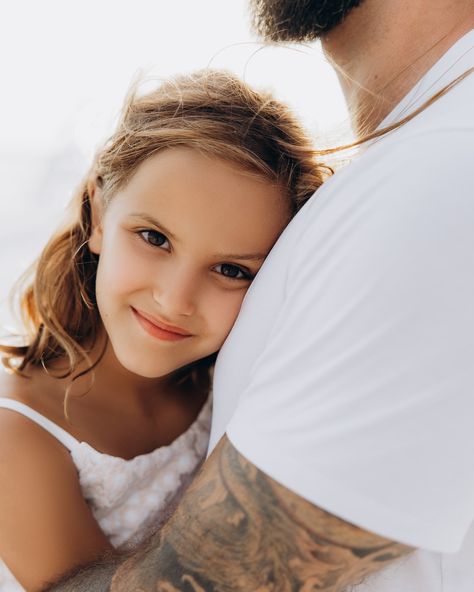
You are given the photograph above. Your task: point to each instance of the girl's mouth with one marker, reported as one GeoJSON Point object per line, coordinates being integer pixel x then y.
{"type": "Point", "coordinates": [159, 329]}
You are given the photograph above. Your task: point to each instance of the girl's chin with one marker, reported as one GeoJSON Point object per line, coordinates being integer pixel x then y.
{"type": "Point", "coordinates": [153, 371]}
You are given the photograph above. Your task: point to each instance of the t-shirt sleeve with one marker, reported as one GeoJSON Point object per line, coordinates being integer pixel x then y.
{"type": "Point", "coordinates": [362, 400]}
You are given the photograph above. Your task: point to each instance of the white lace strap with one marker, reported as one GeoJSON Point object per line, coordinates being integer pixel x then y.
{"type": "Point", "coordinates": [66, 439]}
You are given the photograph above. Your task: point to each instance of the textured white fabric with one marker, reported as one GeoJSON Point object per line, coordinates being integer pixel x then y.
{"type": "Point", "coordinates": [348, 376]}
{"type": "Point", "coordinates": [127, 496]}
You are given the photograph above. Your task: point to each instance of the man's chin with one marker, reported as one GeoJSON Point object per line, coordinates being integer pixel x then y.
{"type": "Point", "coordinates": [302, 20]}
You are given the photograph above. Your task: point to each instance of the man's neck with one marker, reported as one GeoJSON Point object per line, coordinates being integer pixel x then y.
{"type": "Point", "coordinates": [384, 47]}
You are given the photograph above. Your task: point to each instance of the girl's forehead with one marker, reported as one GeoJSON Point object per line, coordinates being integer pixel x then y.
{"type": "Point", "coordinates": [177, 176]}
{"type": "Point", "coordinates": [190, 162]}
{"type": "Point", "coordinates": [189, 193]}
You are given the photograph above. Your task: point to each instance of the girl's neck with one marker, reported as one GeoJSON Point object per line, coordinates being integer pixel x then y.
{"type": "Point", "coordinates": [110, 408]}
{"type": "Point", "coordinates": [110, 382]}
{"type": "Point", "coordinates": [111, 379]}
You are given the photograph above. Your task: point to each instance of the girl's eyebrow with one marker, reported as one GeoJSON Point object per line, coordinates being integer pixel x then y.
{"type": "Point", "coordinates": [247, 257]}
{"type": "Point", "coordinates": [239, 256]}
{"type": "Point", "coordinates": [147, 218]}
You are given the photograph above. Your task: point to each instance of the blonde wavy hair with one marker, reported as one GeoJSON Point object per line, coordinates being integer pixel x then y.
{"type": "Point", "coordinates": [211, 111]}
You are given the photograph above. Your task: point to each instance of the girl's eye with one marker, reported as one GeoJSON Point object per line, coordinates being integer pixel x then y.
{"type": "Point", "coordinates": [233, 272]}
{"type": "Point", "coordinates": [153, 238]}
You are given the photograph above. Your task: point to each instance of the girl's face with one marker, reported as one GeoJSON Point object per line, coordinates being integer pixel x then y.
{"type": "Point", "coordinates": [179, 247]}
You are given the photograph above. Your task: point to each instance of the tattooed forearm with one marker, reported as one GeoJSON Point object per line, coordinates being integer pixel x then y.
{"type": "Point", "coordinates": [238, 530]}
{"type": "Point", "coordinates": [94, 577]}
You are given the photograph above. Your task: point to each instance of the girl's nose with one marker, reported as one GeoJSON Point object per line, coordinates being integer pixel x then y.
{"type": "Point", "coordinates": [176, 293]}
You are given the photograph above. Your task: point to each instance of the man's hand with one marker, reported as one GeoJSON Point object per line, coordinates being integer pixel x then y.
{"type": "Point", "coordinates": [238, 530]}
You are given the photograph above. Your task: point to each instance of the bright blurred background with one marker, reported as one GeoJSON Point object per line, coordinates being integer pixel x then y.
{"type": "Point", "coordinates": [66, 67]}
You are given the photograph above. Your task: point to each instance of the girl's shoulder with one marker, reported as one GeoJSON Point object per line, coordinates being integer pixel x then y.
{"type": "Point", "coordinates": [28, 449]}
{"type": "Point", "coordinates": [43, 515]}
{"type": "Point", "coordinates": [26, 443]}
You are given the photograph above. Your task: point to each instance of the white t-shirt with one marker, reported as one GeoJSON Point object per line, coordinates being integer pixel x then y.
{"type": "Point", "coordinates": [349, 376]}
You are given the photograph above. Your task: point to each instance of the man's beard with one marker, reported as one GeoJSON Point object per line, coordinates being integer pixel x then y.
{"type": "Point", "coordinates": [298, 20]}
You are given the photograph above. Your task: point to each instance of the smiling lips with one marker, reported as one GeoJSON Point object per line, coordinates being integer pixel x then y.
{"type": "Point", "coordinates": [158, 329]}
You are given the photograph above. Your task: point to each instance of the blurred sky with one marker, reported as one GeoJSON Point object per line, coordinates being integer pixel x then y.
{"type": "Point", "coordinates": [66, 67]}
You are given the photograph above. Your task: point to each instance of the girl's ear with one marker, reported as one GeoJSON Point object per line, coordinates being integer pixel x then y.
{"type": "Point", "coordinates": [94, 191]}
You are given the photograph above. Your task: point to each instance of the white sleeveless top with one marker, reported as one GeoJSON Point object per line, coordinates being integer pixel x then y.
{"type": "Point", "coordinates": [126, 496]}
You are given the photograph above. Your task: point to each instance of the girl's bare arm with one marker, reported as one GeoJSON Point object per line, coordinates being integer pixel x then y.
{"type": "Point", "coordinates": [46, 527]}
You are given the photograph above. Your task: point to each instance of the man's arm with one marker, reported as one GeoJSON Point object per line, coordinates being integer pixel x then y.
{"type": "Point", "coordinates": [237, 529]}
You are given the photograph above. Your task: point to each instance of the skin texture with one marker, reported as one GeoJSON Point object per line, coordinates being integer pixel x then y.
{"type": "Point", "coordinates": [363, 47]}
{"type": "Point", "coordinates": [239, 530]}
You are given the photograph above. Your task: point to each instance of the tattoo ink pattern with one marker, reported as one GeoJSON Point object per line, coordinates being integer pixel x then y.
{"type": "Point", "coordinates": [238, 530]}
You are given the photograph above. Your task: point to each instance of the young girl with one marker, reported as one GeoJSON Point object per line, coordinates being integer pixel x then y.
{"type": "Point", "coordinates": [105, 411]}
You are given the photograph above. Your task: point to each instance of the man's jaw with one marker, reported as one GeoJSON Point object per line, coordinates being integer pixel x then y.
{"type": "Point", "coordinates": [302, 21]}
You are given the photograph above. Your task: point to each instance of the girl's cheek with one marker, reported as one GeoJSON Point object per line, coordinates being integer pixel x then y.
{"type": "Point", "coordinates": [224, 310]}
{"type": "Point", "coordinates": [123, 269]}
